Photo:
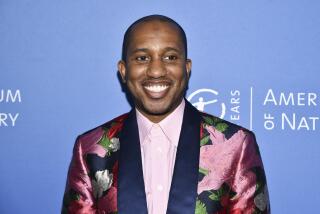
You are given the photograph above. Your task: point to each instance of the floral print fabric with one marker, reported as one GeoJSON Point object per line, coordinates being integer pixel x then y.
{"type": "Point", "coordinates": [232, 178]}
{"type": "Point", "coordinates": [231, 174]}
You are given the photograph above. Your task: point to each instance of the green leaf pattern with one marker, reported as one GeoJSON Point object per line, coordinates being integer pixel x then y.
{"type": "Point", "coordinates": [217, 194]}
{"type": "Point", "coordinates": [200, 208]}
{"type": "Point", "coordinates": [216, 122]}
{"type": "Point", "coordinates": [110, 145]}
{"type": "Point", "coordinates": [104, 142]}
{"type": "Point", "coordinates": [203, 171]}
{"type": "Point", "coordinates": [221, 127]}
{"type": "Point", "coordinates": [204, 140]}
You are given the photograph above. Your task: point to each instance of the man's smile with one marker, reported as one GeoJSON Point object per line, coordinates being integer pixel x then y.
{"type": "Point", "coordinates": [156, 90]}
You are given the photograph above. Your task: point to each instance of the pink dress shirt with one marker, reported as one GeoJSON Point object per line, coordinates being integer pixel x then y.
{"type": "Point", "coordinates": [158, 143]}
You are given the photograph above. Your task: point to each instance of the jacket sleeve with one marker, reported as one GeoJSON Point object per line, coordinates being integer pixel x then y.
{"type": "Point", "coordinates": [78, 197]}
{"type": "Point", "coordinates": [249, 183]}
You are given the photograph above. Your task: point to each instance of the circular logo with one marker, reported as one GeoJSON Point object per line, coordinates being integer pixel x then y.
{"type": "Point", "coordinates": [204, 97]}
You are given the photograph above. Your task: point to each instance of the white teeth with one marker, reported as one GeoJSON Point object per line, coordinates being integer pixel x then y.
{"type": "Point", "coordinates": [156, 88]}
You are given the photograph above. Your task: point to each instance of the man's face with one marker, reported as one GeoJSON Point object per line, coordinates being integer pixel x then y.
{"type": "Point", "coordinates": [156, 70]}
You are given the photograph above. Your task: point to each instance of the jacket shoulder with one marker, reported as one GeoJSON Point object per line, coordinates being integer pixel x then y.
{"type": "Point", "coordinates": [107, 125]}
{"type": "Point", "coordinates": [102, 138]}
{"type": "Point", "coordinates": [226, 127]}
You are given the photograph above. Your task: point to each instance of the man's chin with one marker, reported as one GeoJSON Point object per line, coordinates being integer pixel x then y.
{"type": "Point", "coordinates": [155, 108]}
{"type": "Point", "coordinates": [157, 111]}
{"type": "Point", "coordinates": [159, 108]}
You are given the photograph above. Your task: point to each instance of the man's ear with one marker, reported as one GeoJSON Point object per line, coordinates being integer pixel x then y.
{"type": "Point", "coordinates": [188, 66]}
{"type": "Point", "coordinates": [122, 70]}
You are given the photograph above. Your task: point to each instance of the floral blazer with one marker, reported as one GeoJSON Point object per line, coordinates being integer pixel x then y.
{"type": "Point", "coordinates": [218, 169]}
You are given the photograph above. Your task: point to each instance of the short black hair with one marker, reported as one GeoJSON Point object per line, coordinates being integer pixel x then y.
{"type": "Point", "coordinates": [156, 17]}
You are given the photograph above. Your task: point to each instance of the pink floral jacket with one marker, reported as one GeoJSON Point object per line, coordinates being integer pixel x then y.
{"type": "Point", "coordinates": [218, 169]}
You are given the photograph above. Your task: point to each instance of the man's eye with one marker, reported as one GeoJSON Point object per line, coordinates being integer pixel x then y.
{"type": "Point", "coordinates": [170, 57]}
{"type": "Point", "coordinates": [142, 58]}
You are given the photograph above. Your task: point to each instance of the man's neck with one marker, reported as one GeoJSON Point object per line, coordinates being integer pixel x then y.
{"type": "Point", "coordinates": [158, 118]}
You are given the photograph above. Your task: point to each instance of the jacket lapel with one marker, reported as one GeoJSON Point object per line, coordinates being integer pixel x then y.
{"type": "Point", "coordinates": [183, 192]}
{"type": "Point", "coordinates": [131, 191]}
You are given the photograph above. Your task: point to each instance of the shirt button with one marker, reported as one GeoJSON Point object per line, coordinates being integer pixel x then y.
{"type": "Point", "coordinates": [160, 188]}
{"type": "Point", "coordinates": [159, 149]}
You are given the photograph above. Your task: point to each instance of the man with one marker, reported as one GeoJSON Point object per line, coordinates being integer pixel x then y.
{"type": "Point", "coordinates": [164, 156]}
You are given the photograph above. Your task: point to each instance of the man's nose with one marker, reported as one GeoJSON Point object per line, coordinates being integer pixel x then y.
{"type": "Point", "coordinates": [156, 68]}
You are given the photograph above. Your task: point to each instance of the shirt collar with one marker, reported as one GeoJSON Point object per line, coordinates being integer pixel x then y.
{"type": "Point", "coordinates": [171, 125]}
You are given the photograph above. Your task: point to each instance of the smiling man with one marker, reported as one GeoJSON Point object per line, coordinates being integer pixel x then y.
{"type": "Point", "coordinates": [155, 66]}
{"type": "Point", "coordinates": [164, 156]}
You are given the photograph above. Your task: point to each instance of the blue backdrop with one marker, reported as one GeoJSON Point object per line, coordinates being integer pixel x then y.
{"type": "Point", "coordinates": [255, 63]}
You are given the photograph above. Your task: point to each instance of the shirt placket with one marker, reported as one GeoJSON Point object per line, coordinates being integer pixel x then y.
{"type": "Point", "coordinates": [159, 169]}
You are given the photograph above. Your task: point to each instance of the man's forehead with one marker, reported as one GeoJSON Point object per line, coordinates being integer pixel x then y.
{"type": "Point", "coordinates": [156, 26]}
{"type": "Point", "coordinates": [156, 30]}
{"type": "Point", "coordinates": [151, 30]}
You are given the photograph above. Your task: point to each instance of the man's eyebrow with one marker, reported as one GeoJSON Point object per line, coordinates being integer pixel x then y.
{"type": "Point", "coordinates": [139, 50]}
{"type": "Point", "coordinates": [172, 49]}
{"type": "Point", "coordinates": [146, 50]}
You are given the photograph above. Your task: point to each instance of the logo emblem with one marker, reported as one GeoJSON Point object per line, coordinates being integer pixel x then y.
{"type": "Point", "coordinates": [204, 97]}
